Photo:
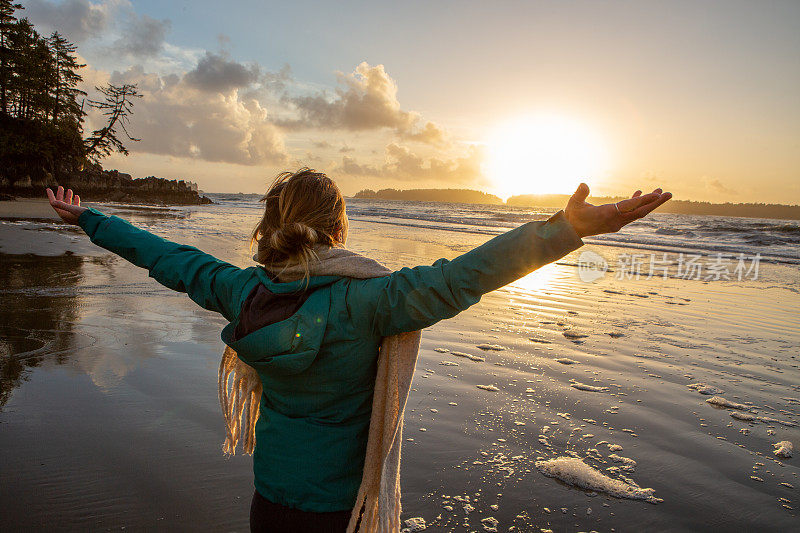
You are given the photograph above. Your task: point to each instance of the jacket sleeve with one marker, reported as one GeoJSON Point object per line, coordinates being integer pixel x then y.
{"type": "Point", "coordinates": [211, 283]}
{"type": "Point", "coordinates": [415, 298]}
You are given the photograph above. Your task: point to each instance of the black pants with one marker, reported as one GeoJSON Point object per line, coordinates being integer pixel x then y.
{"type": "Point", "coordinates": [269, 517]}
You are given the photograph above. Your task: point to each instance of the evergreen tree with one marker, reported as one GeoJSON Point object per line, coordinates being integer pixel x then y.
{"type": "Point", "coordinates": [65, 87]}
{"type": "Point", "coordinates": [117, 106]}
{"type": "Point", "coordinates": [41, 106]}
{"type": "Point", "coordinates": [40, 69]}
{"type": "Point", "coordinates": [31, 72]}
{"type": "Point", "coordinates": [7, 21]}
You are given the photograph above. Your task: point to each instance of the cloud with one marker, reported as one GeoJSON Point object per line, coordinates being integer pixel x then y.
{"type": "Point", "coordinates": [135, 36]}
{"type": "Point", "coordinates": [268, 86]}
{"type": "Point", "coordinates": [430, 134]}
{"type": "Point", "coordinates": [402, 164]}
{"type": "Point", "coordinates": [369, 101]}
{"type": "Point", "coordinates": [218, 73]}
{"type": "Point", "coordinates": [716, 186]}
{"type": "Point", "coordinates": [142, 36]}
{"type": "Point", "coordinates": [351, 167]}
{"type": "Point", "coordinates": [366, 100]}
{"type": "Point", "coordinates": [178, 119]}
{"type": "Point", "coordinates": [78, 20]}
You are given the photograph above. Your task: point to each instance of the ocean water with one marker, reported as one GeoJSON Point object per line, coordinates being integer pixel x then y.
{"type": "Point", "coordinates": [774, 240]}
{"type": "Point", "coordinates": [700, 248]}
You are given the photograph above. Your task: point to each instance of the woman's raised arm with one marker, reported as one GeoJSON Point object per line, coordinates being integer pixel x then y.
{"type": "Point", "coordinates": [211, 283]}
{"type": "Point", "coordinates": [415, 298]}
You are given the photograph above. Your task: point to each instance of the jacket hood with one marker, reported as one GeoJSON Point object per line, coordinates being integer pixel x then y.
{"type": "Point", "coordinates": [280, 326]}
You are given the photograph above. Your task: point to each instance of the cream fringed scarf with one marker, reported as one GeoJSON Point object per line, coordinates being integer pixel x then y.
{"type": "Point", "coordinates": [379, 493]}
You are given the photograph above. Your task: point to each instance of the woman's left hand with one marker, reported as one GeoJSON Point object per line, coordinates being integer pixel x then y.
{"type": "Point", "coordinates": [588, 219]}
{"type": "Point", "coordinates": [67, 206]}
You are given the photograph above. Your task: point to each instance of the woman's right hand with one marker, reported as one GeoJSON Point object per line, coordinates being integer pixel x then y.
{"type": "Point", "coordinates": [588, 219]}
{"type": "Point", "coordinates": [67, 206]}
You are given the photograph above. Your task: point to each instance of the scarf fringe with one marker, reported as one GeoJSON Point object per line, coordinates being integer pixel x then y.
{"type": "Point", "coordinates": [238, 386]}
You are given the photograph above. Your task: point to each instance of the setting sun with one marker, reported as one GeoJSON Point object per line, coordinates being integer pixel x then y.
{"type": "Point", "coordinates": [543, 154]}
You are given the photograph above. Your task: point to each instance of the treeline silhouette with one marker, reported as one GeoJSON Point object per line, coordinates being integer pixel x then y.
{"type": "Point", "coordinates": [42, 107]}
{"type": "Point", "coordinates": [464, 196]}
{"type": "Point", "coordinates": [40, 114]}
{"type": "Point", "coordinates": [682, 207]}
{"type": "Point", "coordinates": [685, 207]}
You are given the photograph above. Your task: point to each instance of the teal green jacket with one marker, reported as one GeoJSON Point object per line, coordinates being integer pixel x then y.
{"type": "Point", "coordinates": [316, 350]}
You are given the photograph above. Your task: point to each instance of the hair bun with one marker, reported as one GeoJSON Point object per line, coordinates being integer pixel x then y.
{"type": "Point", "coordinates": [290, 239]}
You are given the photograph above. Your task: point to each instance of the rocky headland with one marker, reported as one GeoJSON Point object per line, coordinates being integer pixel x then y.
{"type": "Point", "coordinates": [97, 185]}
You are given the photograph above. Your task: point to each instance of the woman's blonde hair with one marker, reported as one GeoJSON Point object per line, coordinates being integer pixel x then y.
{"type": "Point", "coordinates": [302, 210]}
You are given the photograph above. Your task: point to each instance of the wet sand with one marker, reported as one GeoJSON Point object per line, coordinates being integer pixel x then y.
{"type": "Point", "coordinates": [27, 208]}
{"type": "Point", "coordinates": [109, 417]}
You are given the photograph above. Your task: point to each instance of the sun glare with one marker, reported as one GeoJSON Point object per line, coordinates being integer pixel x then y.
{"type": "Point", "coordinates": [543, 155]}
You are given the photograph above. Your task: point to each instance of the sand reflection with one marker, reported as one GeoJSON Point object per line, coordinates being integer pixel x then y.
{"type": "Point", "coordinates": [40, 307]}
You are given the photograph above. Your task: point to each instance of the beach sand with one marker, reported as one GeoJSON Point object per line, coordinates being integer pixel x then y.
{"type": "Point", "coordinates": [109, 416]}
{"type": "Point", "coordinates": [27, 208]}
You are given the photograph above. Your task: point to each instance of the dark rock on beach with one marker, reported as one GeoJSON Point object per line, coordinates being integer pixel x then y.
{"type": "Point", "coordinates": [98, 185]}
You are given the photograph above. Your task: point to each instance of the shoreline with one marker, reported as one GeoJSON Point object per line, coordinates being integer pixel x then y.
{"type": "Point", "coordinates": [674, 207]}
{"type": "Point", "coordinates": [125, 196]}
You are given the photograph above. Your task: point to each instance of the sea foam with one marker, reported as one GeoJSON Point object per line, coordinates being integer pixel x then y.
{"type": "Point", "coordinates": [574, 471]}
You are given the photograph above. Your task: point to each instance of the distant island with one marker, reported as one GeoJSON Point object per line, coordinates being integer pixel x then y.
{"type": "Point", "coordinates": [684, 207]}
{"type": "Point", "coordinates": [462, 196]}
{"type": "Point", "coordinates": [681, 207]}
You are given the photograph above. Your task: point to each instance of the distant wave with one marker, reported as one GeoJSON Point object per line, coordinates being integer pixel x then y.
{"type": "Point", "coordinates": [675, 231]}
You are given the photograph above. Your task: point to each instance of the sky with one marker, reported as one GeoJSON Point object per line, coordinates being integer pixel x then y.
{"type": "Point", "coordinates": [701, 98]}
